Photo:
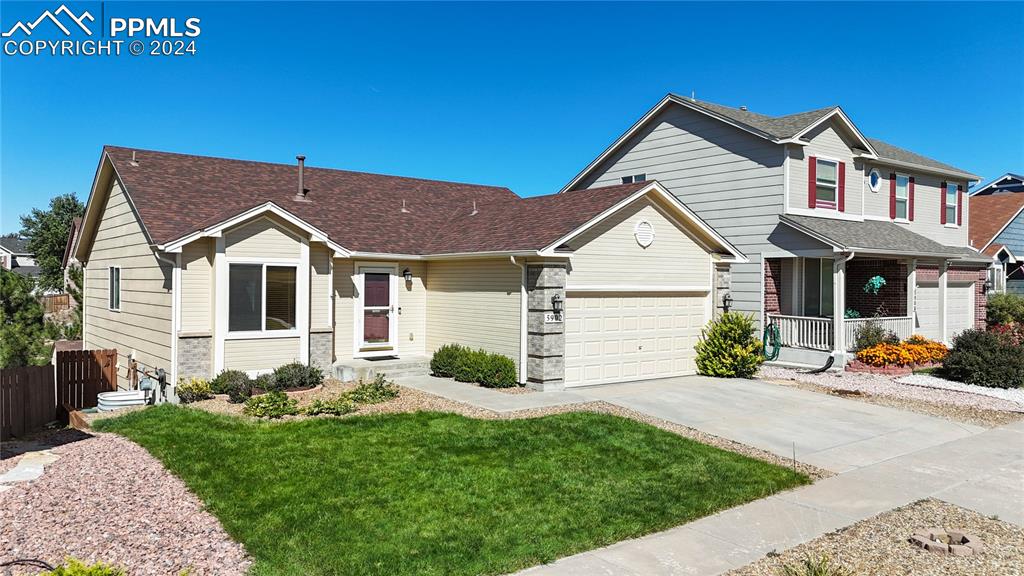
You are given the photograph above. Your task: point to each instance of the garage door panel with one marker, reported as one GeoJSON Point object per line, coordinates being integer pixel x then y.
{"type": "Point", "coordinates": [959, 309]}
{"type": "Point", "coordinates": [614, 337]}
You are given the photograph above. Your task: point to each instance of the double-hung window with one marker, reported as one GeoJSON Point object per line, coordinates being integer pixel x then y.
{"type": "Point", "coordinates": [902, 195]}
{"type": "Point", "coordinates": [261, 297]}
{"type": "Point", "coordinates": [826, 175]}
{"type": "Point", "coordinates": [950, 197]}
{"type": "Point", "coordinates": [114, 287]}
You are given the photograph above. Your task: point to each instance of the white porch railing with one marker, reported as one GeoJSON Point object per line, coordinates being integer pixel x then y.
{"type": "Point", "coordinates": [804, 331]}
{"type": "Point", "coordinates": [901, 326]}
{"type": "Point", "coordinates": [816, 333]}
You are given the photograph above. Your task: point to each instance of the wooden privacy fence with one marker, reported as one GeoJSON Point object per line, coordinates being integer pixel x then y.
{"type": "Point", "coordinates": [54, 303]}
{"type": "Point", "coordinates": [82, 374]}
{"type": "Point", "coordinates": [27, 399]}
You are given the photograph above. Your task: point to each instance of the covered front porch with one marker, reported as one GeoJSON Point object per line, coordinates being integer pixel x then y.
{"type": "Point", "coordinates": [821, 303]}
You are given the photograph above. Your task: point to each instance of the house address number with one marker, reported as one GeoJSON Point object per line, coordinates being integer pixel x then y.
{"type": "Point", "coordinates": [552, 317]}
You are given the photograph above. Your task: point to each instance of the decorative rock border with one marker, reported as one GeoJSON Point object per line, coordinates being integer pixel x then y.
{"type": "Point", "coordinates": [955, 542]}
{"type": "Point", "coordinates": [892, 370]}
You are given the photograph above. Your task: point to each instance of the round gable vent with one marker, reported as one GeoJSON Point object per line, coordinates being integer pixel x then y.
{"type": "Point", "coordinates": [644, 233]}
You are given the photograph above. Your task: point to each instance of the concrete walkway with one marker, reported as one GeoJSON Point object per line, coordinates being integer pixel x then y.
{"type": "Point", "coordinates": [488, 398]}
{"type": "Point", "coordinates": [884, 457]}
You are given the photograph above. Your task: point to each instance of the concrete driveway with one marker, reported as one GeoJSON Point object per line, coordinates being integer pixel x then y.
{"type": "Point", "coordinates": [829, 432]}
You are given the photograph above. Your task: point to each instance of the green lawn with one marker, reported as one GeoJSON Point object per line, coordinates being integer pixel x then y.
{"type": "Point", "coordinates": [435, 493]}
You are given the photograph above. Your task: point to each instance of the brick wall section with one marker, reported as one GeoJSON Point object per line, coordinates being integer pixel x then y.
{"type": "Point", "coordinates": [931, 274]}
{"type": "Point", "coordinates": [195, 357]}
{"type": "Point", "coordinates": [772, 278]}
{"type": "Point", "coordinates": [892, 297]}
{"type": "Point", "coordinates": [321, 350]}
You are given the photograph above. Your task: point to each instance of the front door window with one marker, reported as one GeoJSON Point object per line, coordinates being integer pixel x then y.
{"type": "Point", "coordinates": [376, 308]}
{"type": "Point", "coordinates": [818, 287]}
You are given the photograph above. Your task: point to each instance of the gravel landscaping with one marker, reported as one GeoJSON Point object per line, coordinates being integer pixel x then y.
{"type": "Point", "coordinates": [877, 389]}
{"type": "Point", "coordinates": [879, 546]}
{"type": "Point", "coordinates": [106, 499]}
{"type": "Point", "coordinates": [1014, 395]}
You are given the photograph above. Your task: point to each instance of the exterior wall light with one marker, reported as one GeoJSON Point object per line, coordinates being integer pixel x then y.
{"type": "Point", "coordinates": [556, 303]}
{"type": "Point", "coordinates": [726, 301]}
{"type": "Point", "coordinates": [407, 274]}
{"type": "Point", "coordinates": [988, 286]}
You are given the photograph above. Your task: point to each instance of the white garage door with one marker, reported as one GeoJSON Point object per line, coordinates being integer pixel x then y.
{"type": "Point", "coordinates": [959, 309]}
{"type": "Point", "coordinates": [623, 337]}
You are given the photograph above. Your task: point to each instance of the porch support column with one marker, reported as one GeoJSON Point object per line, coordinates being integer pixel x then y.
{"type": "Point", "coordinates": [943, 269]}
{"type": "Point", "coordinates": [839, 309]}
{"type": "Point", "coordinates": [911, 288]}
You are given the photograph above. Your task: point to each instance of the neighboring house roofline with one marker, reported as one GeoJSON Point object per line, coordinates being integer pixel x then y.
{"type": "Point", "coordinates": [1003, 227]}
{"type": "Point", "coordinates": [834, 112]}
{"type": "Point", "coordinates": [996, 182]}
{"type": "Point", "coordinates": [655, 187]}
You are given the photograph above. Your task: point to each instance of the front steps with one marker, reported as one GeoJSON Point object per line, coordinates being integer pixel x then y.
{"type": "Point", "coordinates": [368, 368]}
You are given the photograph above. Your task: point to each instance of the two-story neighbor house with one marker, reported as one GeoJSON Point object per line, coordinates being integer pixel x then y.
{"type": "Point", "coordinates": [819, 209]}
{"type": "Point", "coordinates": [1000, 234]}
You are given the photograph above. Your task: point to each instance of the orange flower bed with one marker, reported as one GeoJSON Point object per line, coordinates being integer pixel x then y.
{"type": "Point", "coordinates": [916, 350]}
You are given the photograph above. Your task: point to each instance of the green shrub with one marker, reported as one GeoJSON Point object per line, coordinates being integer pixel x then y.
{"type": "Point", "coordinates": [240, 391]}
{"type": "Point", "coordinates": [985, 359]}
{"type": "Point", "coordinates": [820, 566]}
{"type": "Point", "coordinates": [375, 392]}
{"type": "Point", "coordinates": [1004, 309]}
{"type": "Point", "coordinates": [333, 407]}
{"type": "Point", "coordinates": [469, 365]}
{"type": "Point", "coordinates": [871, 333]}
{"type": "Point", "coordinates": [271, 405]}
{"type": "Point", "coordinates": [227, 381]}
{"type": "Point", "coordinates": [498, 371]}
{"type": "Point", "coordinates": [73, 567]}
{"type": "Point", "coordinates": [193, 389]}
{"type": "Point", "coordinates": [729, 347]}
{"type": "Point", "coordinates": [264, 383]}
{"type": "Point", "coordinates": [442, 363]}
{"type": "Point", "coordinates": [296, 376]}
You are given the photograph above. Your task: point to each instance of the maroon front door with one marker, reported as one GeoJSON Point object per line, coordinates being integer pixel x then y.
{"type": "Point", "coordinates": [376, 309]}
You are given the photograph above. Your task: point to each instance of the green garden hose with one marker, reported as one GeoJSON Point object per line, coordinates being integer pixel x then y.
{"type": "Point", "coordinates": [772, 340]}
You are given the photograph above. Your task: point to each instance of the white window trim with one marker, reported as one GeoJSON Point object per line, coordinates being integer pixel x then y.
{"type": "Point", "coordinates": [906, 199]}
{"type": "Point", "coordinates": [834, 203]}
{"type": "Point", "coordinates": [358, 348]}
{"type": "Point", "coordinates": [877, 187]}
{"type": "Point", "coordinates": [110, 288]}
{"type": "Point", "coordinates": [263, 333]}
{"type": "Point", "coordinates": [946, 205]}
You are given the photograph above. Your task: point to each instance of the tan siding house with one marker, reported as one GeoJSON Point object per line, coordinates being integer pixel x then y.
{"type": "Point", "coordinates": [252, 276]}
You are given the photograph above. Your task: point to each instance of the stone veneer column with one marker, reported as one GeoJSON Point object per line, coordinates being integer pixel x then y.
{"type": "Point", "coordinates": [545, 341]}
{"type": "Point", "coordinates": [723, 286]}
{"type": "Point", "coordinates": [195, 357]}
{"type": "Point", "coordinates": [321, 350]}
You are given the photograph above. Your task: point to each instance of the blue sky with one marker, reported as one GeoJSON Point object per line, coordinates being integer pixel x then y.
{"type": "Point", "coordinates": [522, 95]}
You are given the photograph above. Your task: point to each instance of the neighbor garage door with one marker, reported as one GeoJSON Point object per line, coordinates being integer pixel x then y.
{"type": "Point", "coordinates": [959, 309]}
{"type": "Point", "coordinates": [611, 337]}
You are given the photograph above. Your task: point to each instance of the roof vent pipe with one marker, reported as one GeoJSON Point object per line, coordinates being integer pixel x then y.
{"type": "Point", "coordinates": [300, 195]}
{"type": "Point", "coordinates": [744, 108]}
{"type": "Point", "coordinates": [475, 211]}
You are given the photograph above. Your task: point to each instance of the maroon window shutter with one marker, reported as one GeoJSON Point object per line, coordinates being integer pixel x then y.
{"type": "Point", "coordinates": [910, 200]}
{"type": "Point", "coordinates": [892, 196]}
{"type": "Point", "coordinates": [841, 193]}
{"type": "Point", "coordinates": [942, 204]}
{"type": "Point", "coordinates": [812, 178]}
{"type": "Point", "coordinates": [959, 204]}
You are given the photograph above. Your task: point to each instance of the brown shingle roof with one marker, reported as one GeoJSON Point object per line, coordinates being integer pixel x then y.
{"type": "Point", "coordinates": [177, 194]}
{"type": "Point", "coordinates": [989, 214]}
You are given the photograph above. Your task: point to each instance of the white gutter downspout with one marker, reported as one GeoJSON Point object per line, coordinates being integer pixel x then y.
{"type": "Point", "coordinates": [522, 320]}
{"type": "Point", "coordinates": [175, 307]}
